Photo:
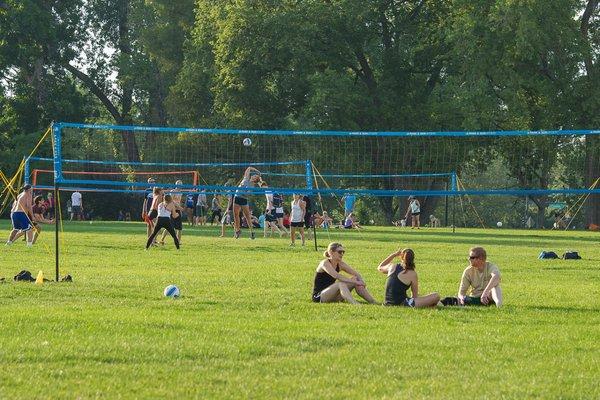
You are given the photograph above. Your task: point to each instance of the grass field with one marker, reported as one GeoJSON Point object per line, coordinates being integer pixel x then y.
{"type": "Point", "coordinates": [245, 327]}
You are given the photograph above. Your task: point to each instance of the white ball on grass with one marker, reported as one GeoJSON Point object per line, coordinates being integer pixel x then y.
{"type": "Point", "coordinates": [171, 291]}
{"type": "Point", "coordinates": [499, 224]}
{"type": "Point", "coordinates": [247, 142]}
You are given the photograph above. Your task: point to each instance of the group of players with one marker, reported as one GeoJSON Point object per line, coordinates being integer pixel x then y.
{"type": "Point", "coordinates": [162, 210]}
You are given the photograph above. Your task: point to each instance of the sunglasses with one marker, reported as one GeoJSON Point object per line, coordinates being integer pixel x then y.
{"type": "Point", "coordinates": [473, 257]}
{"type": "Point", "coordinates": [340, 251]}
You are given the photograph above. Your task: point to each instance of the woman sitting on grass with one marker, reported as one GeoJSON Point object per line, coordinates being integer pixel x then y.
{"type": "Point", "coordinates": [165, 212]}
{"type": "Point", "coordinates": [402, 276]}
{"type": "Point", "coordinates": [331, 286]}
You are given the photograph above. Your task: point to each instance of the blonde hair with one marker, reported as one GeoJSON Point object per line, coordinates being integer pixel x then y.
{"type": "Point", "coordinates": [333, 246]}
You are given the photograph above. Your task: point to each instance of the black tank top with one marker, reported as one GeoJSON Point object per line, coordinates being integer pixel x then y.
{"type": "Point", "coordinates": [395, 289]}
{"type": "Point", "coordinates": [323, 280]}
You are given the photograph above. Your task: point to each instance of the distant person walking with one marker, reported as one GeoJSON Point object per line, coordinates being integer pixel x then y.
{"type": "Point", "coordinates": [414, 209]}
{"type": "Point", "coordinates": [77, 206]}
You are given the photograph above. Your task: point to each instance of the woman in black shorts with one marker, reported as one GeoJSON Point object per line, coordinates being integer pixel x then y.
{"type": "Point", "coordinates": [330, 286]}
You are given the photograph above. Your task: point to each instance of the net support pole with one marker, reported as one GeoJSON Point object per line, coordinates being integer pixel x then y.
{"type": "Point", "coordinates": [454, 203]}
{"type": "Point", "coordinates": [56, 232]}
{"type": "Point", "coordinates": [309, 185]}
{"type": "Point", "coordinates": [446, 206]}
{"type": "Point", "coordinates": [56, 149]}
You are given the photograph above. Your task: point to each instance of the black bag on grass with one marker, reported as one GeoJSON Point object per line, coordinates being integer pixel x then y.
{"type": "Point", "coordinates": [571, 255]}
{"type": "Point", "coordinates": [545, 255]}
{"type": "Point", "coordinates": [24, 276]}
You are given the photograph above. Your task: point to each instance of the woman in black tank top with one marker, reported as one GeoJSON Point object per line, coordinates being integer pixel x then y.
{"type": "Point", "coordinates": [330, 286]}
{"type": "Point", "coordinates": [402, 276]}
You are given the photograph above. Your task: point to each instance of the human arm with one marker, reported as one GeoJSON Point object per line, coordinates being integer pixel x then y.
{"type": "Point", "coordinates": [384, 266]}
{"type": "Point", "coordinates": [358, 277]}
{"type": "Point", "coordinates": [414, 285]}
{"type": "Point", "coordinates": [486, 295]}
{"type": "Point", "coordinates": [250, 170]}
{"type": "Point", "coordinates": [40, 218]}
{"type": "Point", "coordinates": [303, 208]}
{"type": "Point", "coordinates": [327, 267]}
{"type": "Point", "coordinates": [144, 205]}
{"type": "Point", "coordinates": [465, 283]}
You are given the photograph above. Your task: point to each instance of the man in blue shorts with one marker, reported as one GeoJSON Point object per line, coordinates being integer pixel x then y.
{"type": "Point", "coordinates": [20, 215]}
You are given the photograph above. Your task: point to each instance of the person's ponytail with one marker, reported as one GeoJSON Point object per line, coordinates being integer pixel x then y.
{"type": "Point", "coordinates": [408, 260]}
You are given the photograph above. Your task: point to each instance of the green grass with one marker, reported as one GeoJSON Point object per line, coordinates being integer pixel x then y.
{"type": "Point", "coordinates": [245, 327]}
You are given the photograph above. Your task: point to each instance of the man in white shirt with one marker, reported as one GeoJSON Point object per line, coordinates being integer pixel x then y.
{"type": "Point", "coordinates": [77, 206]}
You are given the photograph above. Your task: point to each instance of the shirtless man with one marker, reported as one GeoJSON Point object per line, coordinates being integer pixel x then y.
{"type": "Point", "coordinates": [21, 214]}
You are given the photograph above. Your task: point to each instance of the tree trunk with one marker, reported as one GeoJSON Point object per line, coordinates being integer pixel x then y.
{"type": "Point", "coordinates": [131, 148]}
{"type": "Point", "coordinates": [592, 172]}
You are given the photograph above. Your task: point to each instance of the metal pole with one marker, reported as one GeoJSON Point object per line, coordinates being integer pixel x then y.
{"type": "Point", "coordinates": [315, 234]}
{"type": "Point", "coordinates": [56, 219]}
{"type": "Point", "coordinates": [454, 214]}
{"type": "Point", "coordinates": [446, 207]}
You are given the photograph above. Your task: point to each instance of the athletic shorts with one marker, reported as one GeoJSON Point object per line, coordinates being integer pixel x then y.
{"type": "Point", "coordinates": [476, 301]}
{"type": "Point", "coordinates": [270, 217]}
{"type": "Point", "coordinates": [177, 224]}
{"type": "Point", "coordinates": [415, 214]}
{"type": "Point", "coordinates": [153, 214]}
{"type": "Point", "coordinates": [200, 211]}
{"type": "Point", "coordinates": [76, 210]}
{"type": "Point", "coordinates": [308, 222]}
{"type": "Point", "coordinates": [240, 201]}
{"type": "Point", "coordinates": [408, 302]}
{"type": "Point", "coordinates": [297, 224]}
{"type": "Point", "coordinates": [20, 221]}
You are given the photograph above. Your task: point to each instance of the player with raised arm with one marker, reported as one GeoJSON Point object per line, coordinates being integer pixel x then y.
{"type": "Point", "coordinates": [240, 202]}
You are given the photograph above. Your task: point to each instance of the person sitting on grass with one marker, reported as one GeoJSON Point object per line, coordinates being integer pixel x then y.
{"type": "Point", "coordinates": [350, 223]}
{"type": "Point", "coordinates": [330, 286]}
{"type": "Point", "coordinates": [38, 217]}
{"type": "Point", "coordinates": [481, 280]}
{"type": "Point", "coordinates": [400, 277]}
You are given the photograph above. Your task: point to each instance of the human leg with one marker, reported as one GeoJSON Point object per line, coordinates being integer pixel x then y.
{"type": "Point", "coordinates": [302, 235]}
{"type": "Point", "coordinates": [337, 292]}
{"type": "Point", "coordinates": [236, 219]}
{"type": "Point", "coordinates": [171, 230]}
{"type": "Point", "coordinates": [430, 300]}
{"type": "Point", "coordinates": [497, 296]}
{"type": "Point", "coordinates": [246, 211]}
{"type": "Point", "coordinates": [36, 234]}
{"type": "Point", "coordinates": [364, 293]}
{"type": "Point", "coordinates": [293, 235]}
{"type": "Point", "coordinates": [157, 227]}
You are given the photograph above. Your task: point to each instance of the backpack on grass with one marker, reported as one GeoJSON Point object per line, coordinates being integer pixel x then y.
{"type": "Point", "coordinates": [545, 255]}
{"type": "Point", "coordinates": [571, 255]}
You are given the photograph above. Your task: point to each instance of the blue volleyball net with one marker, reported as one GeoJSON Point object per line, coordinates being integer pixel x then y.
{"type": "Point", "coordinates": [381, 168]}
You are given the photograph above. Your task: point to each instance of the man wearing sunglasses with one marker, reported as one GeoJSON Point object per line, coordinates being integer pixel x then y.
{"type": "Point", "coordinates": [483, 280]}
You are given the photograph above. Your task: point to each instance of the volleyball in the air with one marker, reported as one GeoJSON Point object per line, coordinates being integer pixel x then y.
{"type": "Point", "coordinates": [247, 142]}
{"type": "Point", "coordinates": [499, 224]}
{"type": "Point", "coordinates": [171, 291]}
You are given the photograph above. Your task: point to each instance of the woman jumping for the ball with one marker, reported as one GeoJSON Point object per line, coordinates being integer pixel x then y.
{"type": "Point", "coordinates": [166, 211]}
{"type": "Point", "coordinates": [240, 202]}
